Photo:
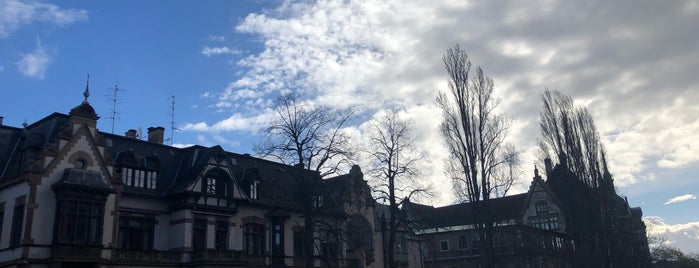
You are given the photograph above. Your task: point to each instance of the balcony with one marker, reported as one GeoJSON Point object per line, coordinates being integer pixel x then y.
{"type": "Point", "coordinates": [227, 256]}
{"type": "Point", "coordinates": [147, 256]}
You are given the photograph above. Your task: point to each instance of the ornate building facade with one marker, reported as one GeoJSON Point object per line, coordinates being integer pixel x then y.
{"type": "Point", "coordinates": [72, 196]}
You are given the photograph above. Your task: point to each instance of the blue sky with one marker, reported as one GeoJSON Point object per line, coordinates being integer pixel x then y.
{"type": "Point", "coordinates": [631, 63]}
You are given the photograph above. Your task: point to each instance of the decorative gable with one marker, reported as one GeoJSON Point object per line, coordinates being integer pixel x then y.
{"type": "Point", "coordinates": [542, 209]}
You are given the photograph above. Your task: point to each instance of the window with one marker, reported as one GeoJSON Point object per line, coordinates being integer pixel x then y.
{"type": "Point", "coordinates": [476, 242]}
{"type": "Point", "coordinates": [444, 245]}
{"type": "Point", "coordinates": [80, 163]}
{"type": "Point", "coordinates": [210, 185]}
{"type": "Point", "coordinates": [139, 178]}
{"type": "Point", "coordinates": [545, 222]}
{"type": "Point", "coordinates": [136, 233]}
{"type": "Point", "coordinates": [463, 241]}
{"type": "Point", "coordinates": [253, 239]}
{"type": "Point", "coordinates": [541, 207]}
{"type": "Point", "coordinates": [80, 222]}
{"type": "Point", "coordinates": [298, 243]}
{"type": "Point", "coordinates": [317, 201]}
{"type": "Point", "coordinates": [221, 235]}
{"type": "Point", "coordinates": [253, 189]}
{"type": "Point", "coordinates": [216, 182]}
{"type": "Point", "coordinates": [199, 234]}
{"type": "Point", "coordinates": [17, 223]}
{"type": "Point", "coordinates": [277, 235]}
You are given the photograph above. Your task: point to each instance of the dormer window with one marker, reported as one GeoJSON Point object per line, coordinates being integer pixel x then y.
{"type": "Point", "coordinates": [254, 189]}
{"type": "Point", "coordinates": [210, 185]}
{"type": "Point", "coordinates": [317, 201]}
{"type": "Point", "coordinates": [542, 207]}
{"type": "Point", "coordinates": [139, 178]}
{"type": "Point", "coordinates": [216, 182]}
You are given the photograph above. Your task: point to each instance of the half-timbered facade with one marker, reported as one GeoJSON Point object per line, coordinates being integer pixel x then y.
{"type": "Point", "coordinates": [72, 196]}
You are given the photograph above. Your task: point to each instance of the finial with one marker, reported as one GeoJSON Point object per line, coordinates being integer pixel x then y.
{"type": "Point", "coordinates": [25, 124]}
{"type": "Point", "coordinates": [536, 171]}
{"type": "Point", "coordinates": [87, 89]}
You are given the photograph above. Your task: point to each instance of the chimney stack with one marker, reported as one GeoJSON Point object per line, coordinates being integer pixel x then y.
{"type": "Point", "coordinates": [1, 120]}
{"type": "Point", "coordinates": [549, 167]}
{"type": "Point", "coordinates": [131, 133]}
{"type": "Point", "coordinates": [156, 134]}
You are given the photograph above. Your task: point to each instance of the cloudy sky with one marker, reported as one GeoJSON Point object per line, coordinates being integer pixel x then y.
{"type": "Point", "coordinates": [631, 63]}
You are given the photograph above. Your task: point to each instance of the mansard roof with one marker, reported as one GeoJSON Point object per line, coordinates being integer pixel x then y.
{"type": "Point", "coordinates": [180, 167]}
{"type": "Point", "coordinates": [20, 146]}
{"type": "Point", "coordinates": [502, 209]}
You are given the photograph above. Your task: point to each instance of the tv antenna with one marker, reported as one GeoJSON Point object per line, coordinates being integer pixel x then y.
{"type": "Point", "coordinates": [114, 98]}
{"type": "Point", "coordinates": [172, 117]}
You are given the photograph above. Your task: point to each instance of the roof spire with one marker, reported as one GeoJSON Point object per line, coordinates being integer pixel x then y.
{"type": "Point", "coordinates": [86, 94]}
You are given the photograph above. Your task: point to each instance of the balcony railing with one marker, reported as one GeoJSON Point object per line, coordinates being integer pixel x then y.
{"type": "Point", "coordinates": [219, 256]}
{"type": "Point", "coordinates": [147, 256]}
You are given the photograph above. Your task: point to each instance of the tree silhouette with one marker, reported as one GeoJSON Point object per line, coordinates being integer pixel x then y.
{"type": "Point", "coordinates": [474, 134]}
{"type": "Point", "coordinates": [310, 138]}
{"type": "Point", "coordinates": [395, 163]}
{"type": "Point", "coordinates": [570, 138]}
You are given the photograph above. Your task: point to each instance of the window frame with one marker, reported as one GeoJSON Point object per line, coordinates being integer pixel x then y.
{"type": "Point", "coordinates": [79, 222]}
{"type": "Point", "coordinates": [132, 228]}
{"type": "Point", "coordinates": [463, 241]}
{"type": "Point", "coordinates": [254, 239]}
{"type": "Point", "coordinates": [139, 178]}
{"type": "Point", "coordinates": [541, 207]}
{"type": "Point", "coordinates": [199, 230]}
{"type": "Point", "coordinates": [17, 222]}
{"type": "Point", "coordinates": [222, 234]}
{"type": "Point", "coordinates": [444, 245]}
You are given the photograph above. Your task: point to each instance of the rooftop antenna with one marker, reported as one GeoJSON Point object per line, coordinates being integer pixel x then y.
{"type": "Point", "coordinates": [114, 98]}
{"type": "Point", "coordinates": [172, 117]}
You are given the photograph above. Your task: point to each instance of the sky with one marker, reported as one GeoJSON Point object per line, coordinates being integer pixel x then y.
{"type": "Point", "coordinates": [631, 63]}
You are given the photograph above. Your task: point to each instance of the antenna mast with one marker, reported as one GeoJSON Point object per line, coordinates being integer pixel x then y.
{"type": "Point", "coordinates": [172, 117]}
{"type": "Point", "coordinates": [114, 98]}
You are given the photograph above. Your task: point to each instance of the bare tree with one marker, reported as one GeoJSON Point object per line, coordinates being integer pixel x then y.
{"type": "Point", "coordinates": [310, 138]}
{"type": "Point", "coordinates": [474, 134]}
{"type": "Point", "coordinates": [570, 137]}
{"type": "Point", "coordinates": [395, 164]}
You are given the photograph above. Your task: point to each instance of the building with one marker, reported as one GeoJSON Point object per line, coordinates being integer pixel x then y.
{"type": "Point", "coordinates": [72, 196]}
{"type": "Point", "coordinates": [559, 222]}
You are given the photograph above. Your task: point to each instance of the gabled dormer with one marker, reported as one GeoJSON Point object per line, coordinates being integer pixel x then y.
{"type": "Point", "coordinates": [542, 209]}
{"type": "Point", "coordinates": [206, 180]}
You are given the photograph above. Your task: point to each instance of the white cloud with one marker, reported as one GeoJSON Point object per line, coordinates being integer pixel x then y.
{"type": "Point", "coordinates": [216, 38]}
{"type": "Point", "coordinates": [374, 54]}
{"type": "Point", "coordinates": [684, 235]}
{"type": "Point", "coordinates": [212, 51]}
{"type": "Point", "coordinates": [34, 64]}
{"type": "Point", "coordinates": [14, 13]}
{"type": "Point", "coordinates": [234, 122]}
{"type": "Point", "coordinates": [680, 198]}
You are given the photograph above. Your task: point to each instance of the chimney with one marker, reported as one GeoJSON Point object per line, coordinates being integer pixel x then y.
{"type": "Point", "coordinates": [131, 133]}
{"type": "Point", "coordinates": [1, 120]}
{"type": "Point", "coordinates": [549, 168]}
{"type": "Point", "coordinates": [155, 134]}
